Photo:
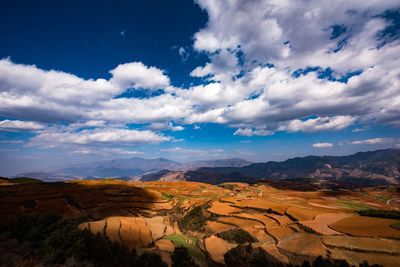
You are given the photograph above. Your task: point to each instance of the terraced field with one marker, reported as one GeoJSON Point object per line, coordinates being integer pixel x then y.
{"type": "Point", "coordinates": [292, 226]}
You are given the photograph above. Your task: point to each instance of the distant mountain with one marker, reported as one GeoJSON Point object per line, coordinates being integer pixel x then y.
{"type": "Point", "coordinates": [128, 168]}
{"type": "Point", "coordinates": [48, 176]}
{"type": "Point", "coordinates": [121, 167]}
{"type": "Point", "coordinates": [234, 162]}
{"type": "Point", "coordinates": [363, 168]}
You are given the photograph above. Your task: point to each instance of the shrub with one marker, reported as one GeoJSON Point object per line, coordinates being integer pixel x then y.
{"type": "Point", "coordinates": [247, 256]}
{"type": "Point", "coordinates": [237, 235]}
{"type": "Point", "coordinates": [151, 260]}
{"type": "Point", "coordinates": [388, 214]}
{"type": "Point", "coordinates": [182, 258]}
{"type": "Point", "coordinates": [196, 219]}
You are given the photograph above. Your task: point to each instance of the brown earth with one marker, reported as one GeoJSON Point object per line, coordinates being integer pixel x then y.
{"type": "Point", "coordinates": [290, 225]}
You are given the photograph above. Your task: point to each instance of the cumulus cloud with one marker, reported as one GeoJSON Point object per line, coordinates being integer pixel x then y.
{"type": "Point", "coordinates": [287, 32]}
{"type": "Point", "coordinates": [320, 124]}
{"type": "Point", "coordinates": [166, 126]}
{"type": "Point", "coordinates": [105, 151]}
{"type": "Point", "coordinates": [16, 125]}
{"type": "Point", "coordinates": [372, 141]}
{"type": "Point", "coordinates": [252, 132]}
{"type": "Point", "coordinates": [138, 75]}
{"type": "Point", "coordinates": [322, 145]}
{"type": "Point", "coordinates": [53, 137]}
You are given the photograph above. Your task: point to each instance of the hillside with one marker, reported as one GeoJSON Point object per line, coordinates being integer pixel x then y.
{"type": "Point", "coordinates": [363, 168]}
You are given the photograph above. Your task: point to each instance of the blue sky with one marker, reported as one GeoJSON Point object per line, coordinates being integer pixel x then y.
{"type": "Point", "coordinates": [260, 80]}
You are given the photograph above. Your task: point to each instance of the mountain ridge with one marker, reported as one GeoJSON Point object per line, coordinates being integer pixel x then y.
{"type": "Point", "coordinates": [126, 168]}
{"type": "Point", "coordinates": [371, 167]}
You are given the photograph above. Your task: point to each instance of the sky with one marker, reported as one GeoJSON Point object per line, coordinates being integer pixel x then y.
{"type": "Point", "coordinates": [259, 80]}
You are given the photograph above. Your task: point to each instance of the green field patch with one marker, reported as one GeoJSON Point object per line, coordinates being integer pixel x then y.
{"type": "Point", "coordinates": [168, 196]}
{"type": "Point", "coordinates": [188, 242]}
{"type": "Point", "coordinates": [396, 225]}
{"type": "Point", "coordinates": [352, 204]}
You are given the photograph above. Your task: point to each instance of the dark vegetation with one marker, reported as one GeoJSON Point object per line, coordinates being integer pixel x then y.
{"type": "Point", "coordinates": [182, 258]}
{"type": "Point", "coordinates": [396, 225]}
{"type": "Point", "coordinates": [247, 256]}
{"type": "Point", "coordinates": [20, 180]}
{"type": "Point", "coordinates": [51, 240]}
{"type": "Point", "coordinates": [237, 235]}
{"type": "Point", "coordinates": [196, 219]}
{"type": "Point", "coordinates": [388, 214]}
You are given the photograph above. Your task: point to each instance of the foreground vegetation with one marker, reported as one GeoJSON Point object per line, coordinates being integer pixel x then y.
{"type": "Point", "coordinates": [237, 235]}
{"type": "Point", "coordinates": [388, 214]}
{"type": "Point", "coordinates": [196, 219]}
{"type": "Point", "coordinates": [247, 256]}
{"type": "Point", "coordinates": [50, 240]}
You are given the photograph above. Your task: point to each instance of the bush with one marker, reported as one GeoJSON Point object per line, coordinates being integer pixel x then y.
{"type": "Point", "coordinates": [151, 260]}
{"type": "Point", "coordinates": [388, 214]}
{"type": "Point", "coordinates": [182, 258]}
{"type": "Point", "coordinates": [196, 219]}
{"type": "Point", "coordinates": [237, 235]}
{"type": "Point", "coordinates": [247, 256]}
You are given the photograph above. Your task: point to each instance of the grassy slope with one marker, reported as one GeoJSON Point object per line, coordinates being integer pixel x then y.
{"type": "Point", "coordinates": [187, 242]}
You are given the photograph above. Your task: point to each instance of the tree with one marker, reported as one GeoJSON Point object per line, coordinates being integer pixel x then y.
{"type": "Point", "coordinates": [182, 258]}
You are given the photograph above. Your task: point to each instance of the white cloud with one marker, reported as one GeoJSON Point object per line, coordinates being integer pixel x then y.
{"type": "Point", "coordinates": [138, 75]}
{"type": "Point", "coordinates": [360, 129]}
{"type": "Point", "coordinates": [322, 145]}
{"type": "Point", "coordinates": [165, 107]}
{"type": "Point", "coordinates": [106, 151]}
{"type": "Point", "coordinates": [53, 137]}
{"type": "Point", "coordinates": [11, 142]}
{"type": "Point", "coordinates": [183, 53]}
{"type": "Point", "coordinates": [320, 124]}
{"type": "Point", "coordinates": [372, 141]}
{"type": "Point", "coordinates": [166, 126]}
{"type": "Point", "coordinates": [252, 132]}
{"type": "Point", "coordinates": [177, 128]}
{"type": "Point", "coordinates": [16, 125]}
{"type": "Point", "coordinates": [288, 32]}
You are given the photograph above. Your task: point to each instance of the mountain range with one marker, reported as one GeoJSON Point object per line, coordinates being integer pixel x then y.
{"type": "Point", "coordinates": [128, 168]}
{"type": "Point", "coordinates": [363, 168]}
